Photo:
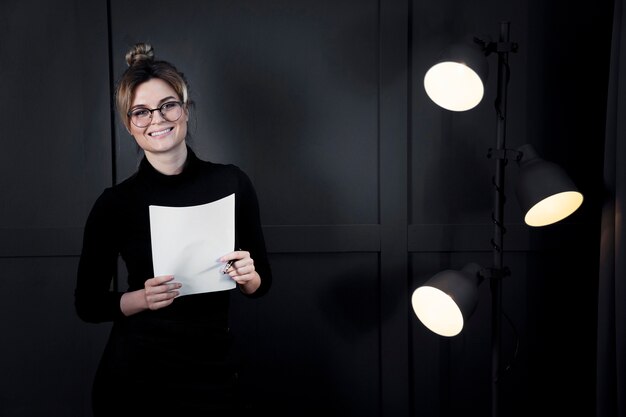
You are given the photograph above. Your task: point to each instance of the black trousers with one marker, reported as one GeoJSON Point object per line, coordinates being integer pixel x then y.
{"type": "Point", "coordinates": [156, 367]}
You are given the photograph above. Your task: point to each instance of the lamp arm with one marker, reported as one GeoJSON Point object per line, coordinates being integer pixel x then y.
{"type": "Point", "coordinates": [505, 46]}
{"type": "Point", "coordinates": [497, 47]}
{"type": "Point", "coordinates": [502, 153]}
{"type": "Point", "coordinates": [494, 273]}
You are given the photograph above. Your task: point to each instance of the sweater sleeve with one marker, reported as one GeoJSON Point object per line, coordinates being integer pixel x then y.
{"type": "Point", "coordinates": [250, 232]}
{"type": "Point", "coordinates": [94, 299]}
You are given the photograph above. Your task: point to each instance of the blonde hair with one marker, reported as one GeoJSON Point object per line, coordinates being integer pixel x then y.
{"type": "Point", "coordinates": [143, 67]}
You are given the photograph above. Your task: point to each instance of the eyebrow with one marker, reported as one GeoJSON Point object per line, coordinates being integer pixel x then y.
{"type": "Point", "coordinates": [163, 100]}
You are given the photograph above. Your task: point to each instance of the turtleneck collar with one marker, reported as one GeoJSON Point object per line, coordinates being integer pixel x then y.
{"type": "Point", "coordinates": [147, 171]}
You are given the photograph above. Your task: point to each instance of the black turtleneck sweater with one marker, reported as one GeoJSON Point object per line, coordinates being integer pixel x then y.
{"type": "Point", "coordinates": [119, 225]}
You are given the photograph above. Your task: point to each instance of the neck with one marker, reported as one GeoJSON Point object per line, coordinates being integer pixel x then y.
{"type": "Point", "coordinates": [169, 163]}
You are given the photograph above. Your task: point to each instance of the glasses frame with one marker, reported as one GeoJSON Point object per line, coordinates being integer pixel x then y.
{"type": "Point", "coordinates": [160, 109]}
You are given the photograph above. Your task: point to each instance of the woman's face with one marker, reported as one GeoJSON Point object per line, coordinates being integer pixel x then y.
{"type": "Point", "coordinates": [159, 136]}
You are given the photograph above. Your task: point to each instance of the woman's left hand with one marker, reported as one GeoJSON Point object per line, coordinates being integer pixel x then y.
{"type": "Point", "coordinates": [241, 267]}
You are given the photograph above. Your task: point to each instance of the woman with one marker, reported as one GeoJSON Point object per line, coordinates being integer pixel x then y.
{"type": "Point", "coordinates": [165, 354]}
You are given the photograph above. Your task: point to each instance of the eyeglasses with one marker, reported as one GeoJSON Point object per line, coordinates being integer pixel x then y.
{"type": "Point", "coordinates": [170, 111]}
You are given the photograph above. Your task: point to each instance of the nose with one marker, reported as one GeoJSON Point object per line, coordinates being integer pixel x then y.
{"type": "Point", "coordinates": [153, 119]}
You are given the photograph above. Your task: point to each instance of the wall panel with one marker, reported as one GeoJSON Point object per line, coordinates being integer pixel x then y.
{"type": "Point", "coordinates": [55, 160]}
{"type": "Point", "coordinates": [295, 94]}
{"type": "Point", "coordinates": [48, 355]}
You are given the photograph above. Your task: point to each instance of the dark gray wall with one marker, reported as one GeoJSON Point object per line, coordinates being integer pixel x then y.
{"type": "Point", "coordinates": [366, 189]}
{"type": "Point", "coordinates": [55, 160]}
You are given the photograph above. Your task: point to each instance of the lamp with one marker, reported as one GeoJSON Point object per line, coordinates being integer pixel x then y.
{"type": "Point", "coordinates": [445, 302]}
{"type": "Point", "coordinates": [544, 191]}
{"type": "Point", "coordinates": [448, 299]}
{"type": "Point", "coordinates": [457, 81]}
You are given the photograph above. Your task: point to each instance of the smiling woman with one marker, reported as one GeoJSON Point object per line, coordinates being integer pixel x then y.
{"type": "Point", "coordinates": [157, 125]}
{"type": "Point", "coordinates": [163, 341]}
{"type": "Point", "coordinates": [153, 101]}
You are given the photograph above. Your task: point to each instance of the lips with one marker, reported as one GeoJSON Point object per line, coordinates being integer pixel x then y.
{"type": "Point", "coordinates": [160, 132]}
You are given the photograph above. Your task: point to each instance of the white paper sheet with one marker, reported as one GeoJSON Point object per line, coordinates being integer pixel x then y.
{"type": "Point", "coordinates": [187, 242]}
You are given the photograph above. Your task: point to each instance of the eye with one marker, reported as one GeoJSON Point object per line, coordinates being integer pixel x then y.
{"type": "Point", "coordinates": [140, 113]}
{"type": "Point", "coordinates": [170, 105]}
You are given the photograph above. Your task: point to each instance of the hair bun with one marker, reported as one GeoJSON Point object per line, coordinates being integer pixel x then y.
{"type": "Point", "coordinates": [138, 53]}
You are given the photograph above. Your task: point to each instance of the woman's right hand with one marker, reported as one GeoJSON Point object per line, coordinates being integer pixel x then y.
{"type": "Point", "coordinates": [160, 291]}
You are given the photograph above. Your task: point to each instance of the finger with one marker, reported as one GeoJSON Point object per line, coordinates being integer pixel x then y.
{"type": "Point", "coordinates": [165, 296]}
{"type": "Point", "coordinates": [235, 260]}
{"type": "Point", "coordinates": [156, 281]}
{"type": "Point", "coordinates": [161, 300]}
{"type": "Point", "coordinates": [162, 279]}
{"type": "Point", "coordinates": [235, 255]}
{"type": "Point", "coordinates": [173, 286]}
{"type": "Point", "coordinates": [244, 278]}
{"type": "Point", "coordinates": [228, 257]}
{"type": "Point", "coordinates": [160, 304]}
{"type": "Point", "coordinates": [153, 293]}
{"type": "Point", "coordinates": [244, 266]}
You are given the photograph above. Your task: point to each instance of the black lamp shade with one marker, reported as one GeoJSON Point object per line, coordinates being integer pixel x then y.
{"type": "Point", "coordinates": [544, 191]}
{"type": "Point", "coordinates": [456, 82]}
{"type": "Point", "coordinates": [447, 300]}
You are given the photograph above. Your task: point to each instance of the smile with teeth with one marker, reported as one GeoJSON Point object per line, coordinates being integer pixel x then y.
{"type": "Point", "coordinates": [161, 132]}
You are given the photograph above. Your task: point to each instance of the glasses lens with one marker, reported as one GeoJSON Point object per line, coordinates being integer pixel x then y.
{"type": "Point", "coordinates": [171, 111]}
{"type": "Point", "coordinates": [140, 117]}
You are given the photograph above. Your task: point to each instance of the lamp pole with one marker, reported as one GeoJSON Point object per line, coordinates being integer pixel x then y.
{"type": "Point", "coordinates": [503, 47]}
